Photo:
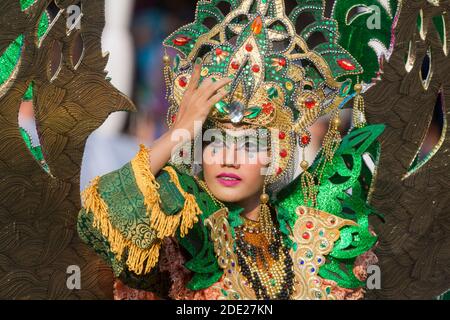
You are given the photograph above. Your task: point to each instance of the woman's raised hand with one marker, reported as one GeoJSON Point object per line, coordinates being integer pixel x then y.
{"type": "Point", "coordinates": [194, 109]}
{"type": "Point", "coordinates": [198, 101]}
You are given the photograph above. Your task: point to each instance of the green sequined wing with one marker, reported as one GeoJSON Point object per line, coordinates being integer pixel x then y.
{"type": "Point", "coordinates": [344, 190]}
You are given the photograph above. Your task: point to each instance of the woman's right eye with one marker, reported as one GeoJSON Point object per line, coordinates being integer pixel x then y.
{"type": "Point", "coordinates": [217, 143]}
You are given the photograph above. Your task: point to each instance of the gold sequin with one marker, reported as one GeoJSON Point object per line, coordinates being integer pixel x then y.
{"type": "Point", "coordinates": [289, 85]}
{"type": "Point", "coordinates": [205, 72]}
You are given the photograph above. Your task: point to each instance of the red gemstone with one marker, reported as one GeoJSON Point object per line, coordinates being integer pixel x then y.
{"type": "Point", "coordinates": [310, 103]}
{"type": "Point", "coordinates": [181, 40]}
{"type": "Point", "coordinates": [346, 64]}
{"type": "Point", "coordinates": [257, 25]}
{"type": "Point", "coordinates": [309, 225]}
{"type": "Point", "coordinates": [279, 171]}
{"type": "Point", "coordinates": [306, 140]}
{"type": "Point", "coordinates": [224, 227]}
{"type": "Point", "coordinates": [182, 82]}
{"type": "Point", "coordinates": [282, 135]}
{"type": "Point", "coordinates": [279, 62]}
{"type": "Point", "coordinates": [219, 51]}
{"type": "Point", "coordinates": [302, 211]}
{"type": "Point", "coordinates": [283, 153]}
{"type": "Point", "coordinates": [255, 68]}
{"type": "Point", "coordinates": [305, 235]}
{"type": "Point", "coordinates": [181, 153]}
{"type": "Point", "coordinates": [267, 108]}
{"type": "Point", "coordinates": [235, 65]}
{"type": "Point", "coordinates": [249, 47]}
{"type": "Point", "coordinates": [173, 118]}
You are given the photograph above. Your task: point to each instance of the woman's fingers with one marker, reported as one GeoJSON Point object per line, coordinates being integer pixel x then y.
{"type": "Point", "coordinates": [195, 77]}
{"type": "Point", "coordinates": [220, 84]}
{"type": "Point", "coordinates": [217, 97]}
{"type": "Point", "coordinates": [210, 88]}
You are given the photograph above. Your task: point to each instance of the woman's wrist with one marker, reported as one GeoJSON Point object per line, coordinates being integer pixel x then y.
{"type": "Point", "coordinates": [162, 149]}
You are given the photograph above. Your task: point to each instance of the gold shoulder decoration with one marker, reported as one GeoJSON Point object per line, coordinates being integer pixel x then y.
{"type": "Point", "coordinates": [315, 233]}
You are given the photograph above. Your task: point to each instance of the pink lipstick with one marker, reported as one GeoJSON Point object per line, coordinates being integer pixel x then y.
{"type": "Point", "coordinates": [228, 179]}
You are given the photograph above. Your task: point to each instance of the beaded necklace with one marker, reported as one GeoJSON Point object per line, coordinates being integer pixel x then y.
{"type": "Point", "coordinates": [267, 266]}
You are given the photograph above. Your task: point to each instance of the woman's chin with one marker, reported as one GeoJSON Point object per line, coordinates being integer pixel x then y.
{"type": "Point", "coordinates": [230, 197]}
{"type": "Point", "coordinates": [229, 194]}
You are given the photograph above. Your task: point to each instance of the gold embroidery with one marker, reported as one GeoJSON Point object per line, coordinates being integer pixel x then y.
{"type": "Point", "coordinates": [315, 233]}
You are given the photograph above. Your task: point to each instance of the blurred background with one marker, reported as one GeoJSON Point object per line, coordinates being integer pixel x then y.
{"type": "Point", "coordinates": [133, 36]}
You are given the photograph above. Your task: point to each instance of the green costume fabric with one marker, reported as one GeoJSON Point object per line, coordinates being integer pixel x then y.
{"type": "Point", "coordinates": [127, 213]}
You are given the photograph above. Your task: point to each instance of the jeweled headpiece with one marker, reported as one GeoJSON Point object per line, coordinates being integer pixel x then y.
{"type": "Point", "coordinates": [283, 78]}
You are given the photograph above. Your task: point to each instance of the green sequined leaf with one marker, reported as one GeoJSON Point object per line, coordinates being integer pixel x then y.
{"type": "Point", "coordinates": [253, 112]}
{"type": "Point", "coordinates": [342, 192]}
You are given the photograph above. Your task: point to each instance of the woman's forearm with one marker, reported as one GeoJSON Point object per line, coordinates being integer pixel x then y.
{"type": "Point", "coordinates": [161, 152]}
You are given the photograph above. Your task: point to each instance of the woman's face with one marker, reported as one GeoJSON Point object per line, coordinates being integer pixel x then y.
{"type": "Point", "coordinates": [233, 166]}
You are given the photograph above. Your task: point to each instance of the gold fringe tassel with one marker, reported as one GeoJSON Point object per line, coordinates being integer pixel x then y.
{"type": "Point", "coordinates": [191, 211]}
{"type": "Point", "coordinates": [140, 261]}
{"type": "Point", "coordinates": [332, 138]}
{"type": "Point", "coordinates": [359, 118]}
{"type": "Point", "coordinates": [308, 187]}
{"type": "Point", "coordinates": [165, 225]}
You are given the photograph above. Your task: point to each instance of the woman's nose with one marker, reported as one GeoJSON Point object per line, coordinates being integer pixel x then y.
{"type": "Point", "coordinates": [230, 156]}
